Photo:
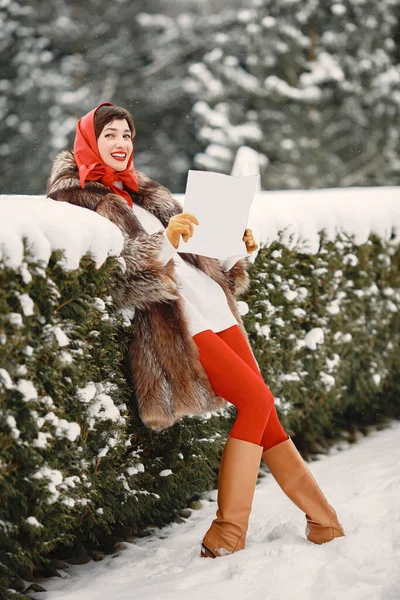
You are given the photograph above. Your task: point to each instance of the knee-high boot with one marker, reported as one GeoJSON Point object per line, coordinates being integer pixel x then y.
{"type": "Point", "coordinates": [237, 480]}
{"type": "Point", "coordinates": [293, 476]}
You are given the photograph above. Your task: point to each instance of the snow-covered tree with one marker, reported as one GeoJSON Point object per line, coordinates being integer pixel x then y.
{"type": "Point", "coordinates": [312, 86]}
{"type": "Point", "coordinates": [29, 82]}
{"type": "Point", "coordinates": [58, 61]}
{"type": "Point", "coordinates": [47, 80]}
{"type": "Point", "coordinates": [164, 102]}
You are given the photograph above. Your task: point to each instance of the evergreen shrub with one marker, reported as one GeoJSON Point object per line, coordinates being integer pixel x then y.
{"type": "Point", "coordinates": [75, 460]}
{"type": "Point", "coordinates": [74, 456]}
{"type": "Point", "coordinates": [325, 330]}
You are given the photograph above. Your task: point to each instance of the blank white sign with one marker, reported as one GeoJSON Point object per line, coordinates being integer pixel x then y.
{"type": "Point", "coordinates": [222, 204]}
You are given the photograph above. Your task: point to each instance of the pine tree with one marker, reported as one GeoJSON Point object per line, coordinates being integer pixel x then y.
{"type": "Point", "coordinates": [314, 88]}
{"type": "Point", "coordinates": [27, 86]}
{"type": "Point", "coordinates": [164, 101]}
{"type": "Point", "coordinates": [59, 61]}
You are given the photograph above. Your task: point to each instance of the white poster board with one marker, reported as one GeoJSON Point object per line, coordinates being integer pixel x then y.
{"type": "Point", "coordinates": [222, 204]}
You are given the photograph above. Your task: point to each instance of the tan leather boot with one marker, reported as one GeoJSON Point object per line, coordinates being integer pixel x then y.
{"type": "Point", "coordinates": [237, 480]}
{"type": "Point", "coordinates": [293, 476]}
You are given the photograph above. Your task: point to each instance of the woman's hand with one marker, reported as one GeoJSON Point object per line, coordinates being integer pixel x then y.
{"type": "Point", "coordinates": [181, 225]}
{"type": "Point", "coordinates": [249, 240]}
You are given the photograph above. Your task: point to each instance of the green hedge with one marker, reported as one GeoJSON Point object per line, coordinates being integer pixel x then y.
{"type": "Point", "coordinates": [348, 298]}
{"type": "Point", "coordinates": [75, 459]}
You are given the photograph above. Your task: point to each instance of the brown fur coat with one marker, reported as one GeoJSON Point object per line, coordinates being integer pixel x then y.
{"type": "Point", "coordinates": [167, 376]}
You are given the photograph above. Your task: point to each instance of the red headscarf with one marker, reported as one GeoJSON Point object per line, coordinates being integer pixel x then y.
{"type": "Point", "coordinates": [90, 165]}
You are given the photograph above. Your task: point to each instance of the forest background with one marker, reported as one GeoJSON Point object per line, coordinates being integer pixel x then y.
{"type": "Point", "coordinates": [312, 85]}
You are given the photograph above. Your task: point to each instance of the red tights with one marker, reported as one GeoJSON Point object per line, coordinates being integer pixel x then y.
{"type": "Point", "coordinates": [234, 375]}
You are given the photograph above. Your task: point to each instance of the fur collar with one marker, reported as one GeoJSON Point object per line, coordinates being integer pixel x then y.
{"type": "Point", "coordinates": [152, 196]}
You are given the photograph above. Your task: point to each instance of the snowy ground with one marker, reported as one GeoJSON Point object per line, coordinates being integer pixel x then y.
{"type": "Point", "coordinates": [362, 482]}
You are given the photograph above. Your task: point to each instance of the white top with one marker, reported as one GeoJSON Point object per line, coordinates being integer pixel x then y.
{"type": "Point", "coordinates": [204, 300]}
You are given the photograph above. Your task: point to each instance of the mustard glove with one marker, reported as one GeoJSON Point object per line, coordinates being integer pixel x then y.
{"type": "Point", "coordinates": [181, 225]}
{"type": "Point", "coordinates": [249, 240]}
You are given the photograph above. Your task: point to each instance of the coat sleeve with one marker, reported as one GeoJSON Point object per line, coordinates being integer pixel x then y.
{"type": "Point", "coordinates": [238, 278]}
{"type": "Point", "coordinates": [145, 279]}
{"type": "Point", "coordinates": [85, 198]}
{"type": "Point", "coordinates": [230, 262]}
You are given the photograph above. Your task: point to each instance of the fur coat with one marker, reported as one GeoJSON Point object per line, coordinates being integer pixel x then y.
{"type": "Point", "coordinates": [166, 373]}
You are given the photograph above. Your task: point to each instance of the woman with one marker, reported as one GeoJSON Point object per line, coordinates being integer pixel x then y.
{"type": "Point", "coordinates": [189, 349]}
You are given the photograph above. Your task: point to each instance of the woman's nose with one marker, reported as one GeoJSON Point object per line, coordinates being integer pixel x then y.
{"type": "Point", "coordinates": [121, 142]}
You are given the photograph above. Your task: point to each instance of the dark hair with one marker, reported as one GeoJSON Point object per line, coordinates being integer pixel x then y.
{"type": "Point", "coordinates": [106, 114]}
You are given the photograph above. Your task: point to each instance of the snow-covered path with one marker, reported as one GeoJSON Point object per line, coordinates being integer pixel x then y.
{"type": "Point", "coordinates": [362, 482]}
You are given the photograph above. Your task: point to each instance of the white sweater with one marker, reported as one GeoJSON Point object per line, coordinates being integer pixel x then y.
{"type": "Point", "coordinates": [205, 303]}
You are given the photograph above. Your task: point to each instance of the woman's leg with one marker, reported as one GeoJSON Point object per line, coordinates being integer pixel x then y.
{"type": "Point", "coordinates": [286, 464]}
{"type": "Point", "coordinates": [273, 433]}
{"type": "Point", "coordinates": [233, 379]}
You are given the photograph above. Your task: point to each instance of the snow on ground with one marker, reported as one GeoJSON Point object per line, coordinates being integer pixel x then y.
{"type": "Point", "coordinates": [362, 482]}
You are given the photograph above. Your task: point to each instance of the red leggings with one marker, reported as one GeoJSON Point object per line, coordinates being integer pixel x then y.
{"type": "Point", "coordinates": [234, 375]}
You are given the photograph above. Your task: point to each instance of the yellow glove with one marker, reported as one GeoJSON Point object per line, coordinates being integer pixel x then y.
{"type": "Point", "coordinates": [180, 225]}
{"type": "Point", "coordinates": [249, 240]}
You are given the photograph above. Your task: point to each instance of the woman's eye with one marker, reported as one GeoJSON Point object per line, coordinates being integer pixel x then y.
{"type": "Point", "coordinates": [127, 136]}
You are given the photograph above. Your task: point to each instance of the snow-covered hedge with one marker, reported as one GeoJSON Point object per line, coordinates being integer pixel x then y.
{"type": "Point", "coordinates": [74, 457]}
{"type": "Point", "coordinates": [325, 329]}
{"type": "Point", "coordinates": [324, 314]}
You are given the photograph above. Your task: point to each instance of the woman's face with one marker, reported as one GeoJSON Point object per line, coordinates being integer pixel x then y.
{"type": "Point", "coordinates": [115, 144]}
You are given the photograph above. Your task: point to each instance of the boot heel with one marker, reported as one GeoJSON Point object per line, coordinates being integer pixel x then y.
{"type": "Point", "coordinates": [206, 553]}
